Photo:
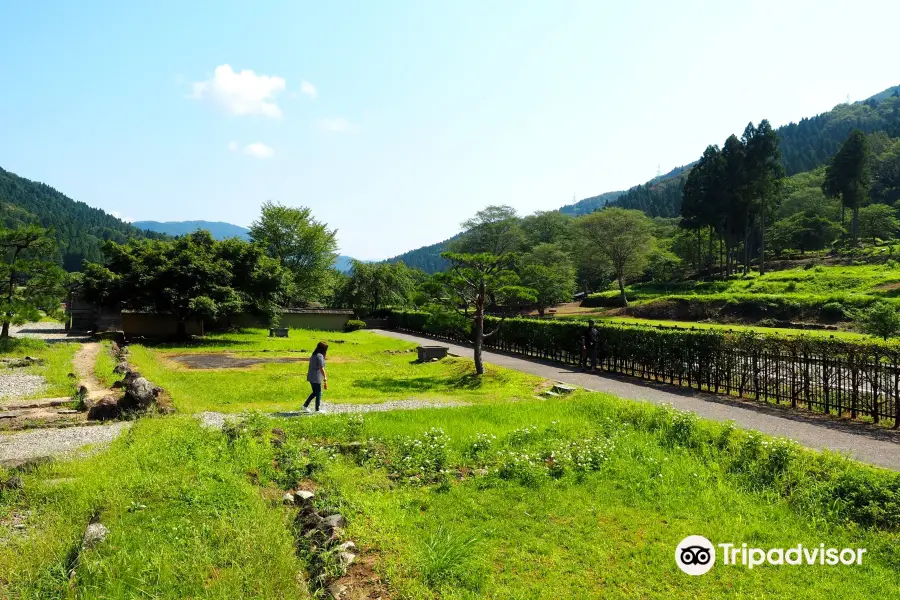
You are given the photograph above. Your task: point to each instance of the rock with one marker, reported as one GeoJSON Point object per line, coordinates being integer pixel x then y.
{"type": "Point", "coordinates": [278, 437]}
{"type": "Point", "coordinates": [303, 497]}
{"type": "Point", "coordinates": [334, 521]}
{"type": "Point", "coordinates": [336, 590]}
{"type": "Point", "coordinates": [121, 368]}
{"type": "Point", "coordinates": [347, 559]}
{"type": "Point", "coordinates": [288, 498]}
{"type": "Point", "coordinates": [94, 535]}
{"type": "Point", "coordinates": [140, 394]}
{"type": "Point", "coordinates": [347, 546]}
{"type": "Point", "coordinates": [13, 483]}
{"type": "Point", "coordinates": [116, 336]}
{"type": "Point", "coordinates": [118, 384]}
{"type": "Point", "coordinates": [105, 409]}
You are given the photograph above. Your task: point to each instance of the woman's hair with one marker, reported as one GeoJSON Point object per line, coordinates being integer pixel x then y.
{"type": "Point", "coordinates": [322, 348]}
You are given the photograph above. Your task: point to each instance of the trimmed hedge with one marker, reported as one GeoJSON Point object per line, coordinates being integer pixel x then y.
{"type": "Point", "coordinates": [821, 374]}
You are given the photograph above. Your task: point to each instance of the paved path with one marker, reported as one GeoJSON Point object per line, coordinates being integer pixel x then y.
{"type": "Point", "coordinates": [866, 443]}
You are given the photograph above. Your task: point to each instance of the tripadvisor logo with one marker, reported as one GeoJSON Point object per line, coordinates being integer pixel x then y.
{"type": "Point", "coordinates": [696, 555]}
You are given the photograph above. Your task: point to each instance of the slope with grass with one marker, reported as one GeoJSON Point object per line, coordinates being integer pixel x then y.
{"type": "Point", "coordinates": [822, 294]}
{"type": "Point", "coordinates": [587, 498]}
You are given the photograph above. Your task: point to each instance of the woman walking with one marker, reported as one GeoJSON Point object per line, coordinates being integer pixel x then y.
{"type": "Point", "coordinates": [316, 375]}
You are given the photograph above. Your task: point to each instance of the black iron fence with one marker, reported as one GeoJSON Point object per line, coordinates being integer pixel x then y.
{"type": "Point", "coordinates": [824, 375]}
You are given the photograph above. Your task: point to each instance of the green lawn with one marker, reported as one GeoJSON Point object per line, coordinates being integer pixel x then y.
{"type": "Point", "coordinates": [56, 367]}
{"type": "Point", "coordinates": [584, 496]}
{"type": "Point", "coordinates": [184, 520]}
{"type": "Point", "coordinates": [362, 366]}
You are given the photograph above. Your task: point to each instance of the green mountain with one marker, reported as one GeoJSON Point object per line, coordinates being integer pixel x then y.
{"type": "Point", "coordinates": [589, 205]}
{"type": "Point", "coordinates": [427, 258]}
{"type": "Point", "coordinates": [218, 229]}
{"type": "Point", "coordinates": [80, 229]}
{"type": "Point", "coordinates": [804, 146]}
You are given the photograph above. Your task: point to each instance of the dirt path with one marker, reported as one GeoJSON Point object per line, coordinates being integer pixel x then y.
{"type": "Point", "coordinates": [51, 439]}
{"type": "Point", "coordinates": [868, 444]}
{"type": "Point", "coordinates": [83, 365]}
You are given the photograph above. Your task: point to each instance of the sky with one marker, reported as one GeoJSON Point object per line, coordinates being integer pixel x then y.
{"type": "Point", "coordinates": [395, 121]}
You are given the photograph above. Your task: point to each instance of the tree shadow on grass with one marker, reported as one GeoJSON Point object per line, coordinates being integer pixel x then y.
{"type": "Point", "coordinates": [394, 385]}
{"type": "Point", "coordinates": [223, 344]}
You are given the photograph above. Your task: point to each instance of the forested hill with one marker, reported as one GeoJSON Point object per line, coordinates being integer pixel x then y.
{"type": "Point", "coordinates": [427, 258]}
{"type": "Point", "coordinates": [804, 146]}
{"type": "Point", "coordinates": [80, 230]}
{"type": "Point", "coordinates": [589, 205]}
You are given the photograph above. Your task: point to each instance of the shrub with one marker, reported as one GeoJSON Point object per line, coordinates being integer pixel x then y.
{"type": "Point", "coordinates": [354, 325]}
{"type": "Point", "coordinates": [423, 458]}
{"type": "Point", "coordinates": [832, 311]}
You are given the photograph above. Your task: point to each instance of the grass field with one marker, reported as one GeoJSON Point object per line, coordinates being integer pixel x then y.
{"type": "Point", "coordinates": [56, 367]}
{"type": "Point", "coordinates": [583, 496]}
{"type": "Point", "coordinates": [362, 368]}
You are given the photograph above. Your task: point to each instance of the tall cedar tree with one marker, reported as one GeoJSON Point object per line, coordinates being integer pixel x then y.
{"type": "Point", "coordinates": [849, 176]}
{"type": "Point", "coordinates": [764, 173]}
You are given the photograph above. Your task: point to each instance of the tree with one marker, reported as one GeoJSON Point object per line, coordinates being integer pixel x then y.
{"type": "Point", "coordinates": [878, 221]}
{"type": "Point", "coordinates": [622, 241]}
{"type": "Point", "coordinates": [547, 227]}
{"type": "Point", "coordinates": [881, 320]}
{"type": "Point", "coordinates": [31, 281]}
{"type": "Point", "coordinates": [764, 173]}
{"type": "Point", "coordinates": [548, 270]}
{"type": "Point", "coordinates": [474, 279]}
{"type": "Point", "coordinates": [495, 230]}
{"type": "Point", "coordinates": [849, 176]}
{"type": "Point", "coordinates": [304, 248]}
{"type": "Point", "coordinates": [192, 276]}
{"type": "Point", "coordinates": [804, 231]}
{"type": "Point", "coordinates": [376, 285]}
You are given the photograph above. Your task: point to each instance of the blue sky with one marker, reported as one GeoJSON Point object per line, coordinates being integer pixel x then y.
{"type": "Point", "coordinates": [414, 115]}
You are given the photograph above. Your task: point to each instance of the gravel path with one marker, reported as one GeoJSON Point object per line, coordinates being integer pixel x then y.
{"type": "Point", "coordinates": [16, 385]}
{"type": "Point", "coordinates": [217, 420]}
{"type": "Point", "coordinates": [22, 447]}
{"type": "Point", "coordinates": [47, 331]}
{"type": "Point", "coordinates": [868, 444]}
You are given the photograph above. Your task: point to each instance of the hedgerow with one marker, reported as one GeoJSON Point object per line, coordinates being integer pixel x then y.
{"type": "Point", "coordinates": [833, 376]}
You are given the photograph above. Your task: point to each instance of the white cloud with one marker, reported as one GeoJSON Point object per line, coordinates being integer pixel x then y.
{"type": "Point", "coordinates": [259, 150]}
{"type": "Point", "coordinates": [242, 93]}
{"type": "Point", "coordinates": [233, 146]}
{"type": "Point", "coordinates": [119, 216]}
{"type": "Point", "coordinates": [309, 89]}
{"type": "Point", "coordinates": [337, 125]}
